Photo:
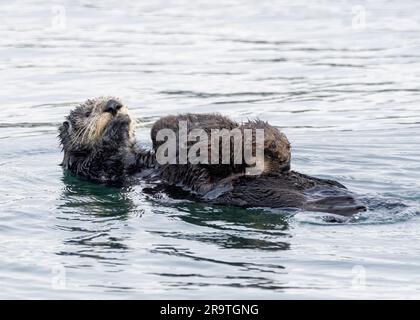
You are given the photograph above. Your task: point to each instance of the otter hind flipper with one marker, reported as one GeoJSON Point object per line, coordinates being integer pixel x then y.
{"type": "Point", "coordinates": [344, 205]}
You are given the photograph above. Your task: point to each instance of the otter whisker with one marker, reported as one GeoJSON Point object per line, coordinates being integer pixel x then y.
{"type": "Point", "coordinates": [133, 125]}
{"type": "Point", "coordinates": [89, 133]}
{"type": "Point", "coordinates": [75, 138]}
{"type": "Point", "coordinates": [100, 126]}
{"type": "Point", "coordinates": [80, 136]}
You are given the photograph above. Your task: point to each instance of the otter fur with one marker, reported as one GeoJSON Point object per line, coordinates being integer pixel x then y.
{"type": "Point", "coordinates": [202, 177]}
{"type": "Point", "coordinates": [98, 142]}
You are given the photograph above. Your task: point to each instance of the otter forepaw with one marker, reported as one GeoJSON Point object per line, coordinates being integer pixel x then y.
{"type": "Point", "coordinates": [120, 122]}
{"type": "Point", "coordinates": [122, 119]}
{"type": "Point", "coordinates": [118, 130]}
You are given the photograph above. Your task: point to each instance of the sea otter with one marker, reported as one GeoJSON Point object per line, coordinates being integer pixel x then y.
{"type": "Point", "coordinates": [98, 141]}
{"type": "Point", "coordinates": [97, 138]}
{"type": "Point", "coordinates": [202, 177]}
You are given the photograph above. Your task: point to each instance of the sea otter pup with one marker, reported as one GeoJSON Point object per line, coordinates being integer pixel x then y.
{"type": "Point", "coordinates": [98, 143]}
{"type": "Point", "coordinates": [202, 177]}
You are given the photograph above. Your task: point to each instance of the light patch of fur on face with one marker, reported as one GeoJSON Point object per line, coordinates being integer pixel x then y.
{"type": "Point", "coordinates": [133, 123]}
{"type": "Point", "coordinates": [100, 123]}
{"type": "Point", "coordinates": [93, 126]}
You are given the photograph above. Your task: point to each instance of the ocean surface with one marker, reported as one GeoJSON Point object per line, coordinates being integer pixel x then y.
{"type": "Point", "coordinates": [340, 78]}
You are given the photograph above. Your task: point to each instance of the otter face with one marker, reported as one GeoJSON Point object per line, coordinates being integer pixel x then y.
{"type": "Point", "coordinates": [277, 151]}
{"type": "Point", "coordinates": [86, 124]}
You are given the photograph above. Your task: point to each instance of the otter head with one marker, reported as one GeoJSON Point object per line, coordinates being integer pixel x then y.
{"type": "Point", "coordinates": [92, 127]}
{"type": "Point", "coordinates": [277, 151]}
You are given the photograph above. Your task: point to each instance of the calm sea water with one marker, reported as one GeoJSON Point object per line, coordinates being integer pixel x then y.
{"type": "Point", "coordinates": [341, 80]}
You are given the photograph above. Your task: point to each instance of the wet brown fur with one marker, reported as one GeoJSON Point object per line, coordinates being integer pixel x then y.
{"type": "Point", "coordinates": [202, 177]}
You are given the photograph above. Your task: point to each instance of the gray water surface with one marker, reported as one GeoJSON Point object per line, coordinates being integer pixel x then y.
{"type": "Point", "coordinates": [340, 78]}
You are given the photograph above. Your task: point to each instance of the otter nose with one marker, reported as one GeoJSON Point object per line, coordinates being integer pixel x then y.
{"type": "Point", "coordinates": [112, 106]}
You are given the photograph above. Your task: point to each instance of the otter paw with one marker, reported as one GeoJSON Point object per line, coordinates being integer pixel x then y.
{"type": "Point", "coordinates": [118, 129]}
{"type": "Point", "coordinates": [122, 118]}
{"type": "Point", "coordinates": [120, 124]}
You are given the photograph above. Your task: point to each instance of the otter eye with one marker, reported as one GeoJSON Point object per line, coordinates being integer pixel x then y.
{"type": "Point", "coordinates": [67, 126]}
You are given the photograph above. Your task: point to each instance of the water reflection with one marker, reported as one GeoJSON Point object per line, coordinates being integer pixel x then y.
{"type": "Point", "coordinates": [96, 199]}
{"type": "Point", "coordinates": [230, 227]}
{"type": "Point", "coordinates": [234, 218]}
{"type": "Point", "coordinates": [96, 218]}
